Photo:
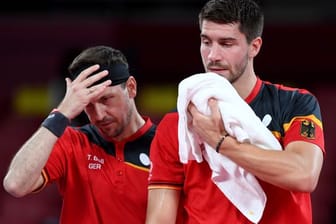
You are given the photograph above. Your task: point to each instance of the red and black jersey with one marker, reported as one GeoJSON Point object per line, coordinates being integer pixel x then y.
{"type": "Point", "coordinates": [292, 114]}
{"type": "Point", "coordinates": [101, 181]}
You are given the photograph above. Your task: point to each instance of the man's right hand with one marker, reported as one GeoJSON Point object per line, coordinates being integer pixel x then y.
{"type": "Point", "coordinates": [80, 91]}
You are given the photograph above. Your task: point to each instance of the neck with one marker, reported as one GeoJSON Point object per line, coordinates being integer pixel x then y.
{"type": "Point", "coordinates": [245, 87]}
{"type": "Point", "coordinates": [138, 122]}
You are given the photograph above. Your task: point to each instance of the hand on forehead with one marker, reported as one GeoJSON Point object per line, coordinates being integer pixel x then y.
{"type": "Point", "coordinates": [117, 73]}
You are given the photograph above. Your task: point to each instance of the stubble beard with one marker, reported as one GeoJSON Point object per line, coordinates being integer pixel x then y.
{"type": "Point", "coordinates": [120, 129]}
{"type": "Point", "coordinates": [240, 70]}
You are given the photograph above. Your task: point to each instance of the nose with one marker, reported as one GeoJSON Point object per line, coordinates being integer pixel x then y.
{"type": "Point", "coordinates": [215, 53]}
{"type": "Point", "coordinates": [98, 111]}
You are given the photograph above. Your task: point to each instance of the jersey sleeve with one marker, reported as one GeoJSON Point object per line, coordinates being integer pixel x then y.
{"type": "Point", "coordinates": [166, 169]}
{"type": "Point", "coordinates": [304, 122]}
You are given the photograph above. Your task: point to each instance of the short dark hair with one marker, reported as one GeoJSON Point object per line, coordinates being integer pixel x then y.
{"type": "Point", "coordinates": [246, 13]}
{"type": "Point", "coordinates": [106, 57]}
{"type": "Point", "coordinates": [102, 55]}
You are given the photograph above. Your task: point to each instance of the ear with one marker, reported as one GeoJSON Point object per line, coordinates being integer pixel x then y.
{"type": "Point", "coordinates": [131, 86]}
{"type": "Point", "coordinates": [255, 47]}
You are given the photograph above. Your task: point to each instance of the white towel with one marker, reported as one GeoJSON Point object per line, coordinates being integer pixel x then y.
{"type": "Point", "coordinates": [240, 121]}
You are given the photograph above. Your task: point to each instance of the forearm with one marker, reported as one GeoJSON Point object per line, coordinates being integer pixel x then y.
{"type": "Point", "coordinates": [296, 168]}
{"type": "Point", "coordinates": [162, 206]}
{"type": "Point", "coordinates": [26, 166]}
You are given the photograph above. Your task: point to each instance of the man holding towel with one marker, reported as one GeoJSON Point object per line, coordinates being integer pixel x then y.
{"type": "Point", "coordinates": [231, 33]}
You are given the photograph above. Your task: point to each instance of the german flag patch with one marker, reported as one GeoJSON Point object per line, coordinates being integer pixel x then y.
{"type": "Point", "coordinates": [308, 129]}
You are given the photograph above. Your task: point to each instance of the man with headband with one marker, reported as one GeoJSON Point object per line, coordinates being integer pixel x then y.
{"type": "Point", "coordinates": [101, 168]}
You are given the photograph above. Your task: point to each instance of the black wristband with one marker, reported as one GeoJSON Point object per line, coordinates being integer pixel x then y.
{"type": "Point", "coordinates": [220, 142]}
{"type": "Point", "coordinates": [56, 122]}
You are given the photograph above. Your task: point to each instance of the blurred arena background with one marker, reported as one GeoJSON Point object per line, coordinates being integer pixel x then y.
{"type": "Point", "coordinates": [38, 40]}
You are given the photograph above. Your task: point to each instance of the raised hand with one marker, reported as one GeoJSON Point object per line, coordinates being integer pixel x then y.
{"type": "Point", "coordinates": [81, 91]}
